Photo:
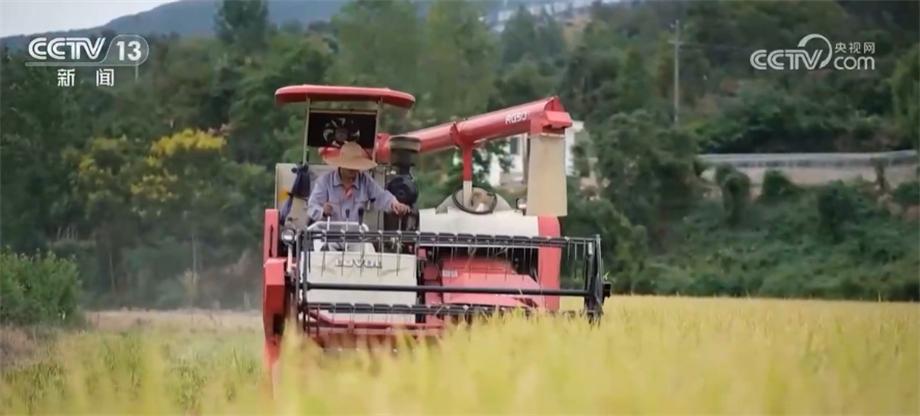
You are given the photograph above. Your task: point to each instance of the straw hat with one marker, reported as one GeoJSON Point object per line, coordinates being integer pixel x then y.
{"type": "Point", "coordinates": [350, 156]}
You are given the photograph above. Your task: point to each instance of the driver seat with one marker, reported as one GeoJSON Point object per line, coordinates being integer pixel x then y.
{"type": "Point", "coordinates": [285, 174]}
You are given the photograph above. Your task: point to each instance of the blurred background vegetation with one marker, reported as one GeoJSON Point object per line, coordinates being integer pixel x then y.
{"type": "Point", "coordinates": [155, 188]}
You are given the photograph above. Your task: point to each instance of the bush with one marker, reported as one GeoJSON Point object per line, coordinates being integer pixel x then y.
{"type": "Point", "coordinates": [722, 172]}
{"type": "Point", "coordinates": [881, 181]}
{"type": "Point", "coordinates": [776, 186]}
{"type": "Point", "coordinates": [699, 166]}
{"type": "Point", "coordinates": [779, 252]}
{"type": "Point", "coordinates": [38, 289]}
{"type": "Point", "coordinates": [907, 193]}
{"type": "Point", "coordinates": [736, 193]}
{"type": "Point", "coordinates": [837, 205]}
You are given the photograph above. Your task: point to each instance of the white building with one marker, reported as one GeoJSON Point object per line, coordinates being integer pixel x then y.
{"type": "Point", "coordinates": [514, 177]}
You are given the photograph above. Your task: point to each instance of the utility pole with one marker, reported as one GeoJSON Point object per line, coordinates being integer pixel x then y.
{"type": "Point", "coordinates": [676, 44]}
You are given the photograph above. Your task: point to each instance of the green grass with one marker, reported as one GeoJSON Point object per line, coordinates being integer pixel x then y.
{"type": "Point", "coordinates": [650, 355]}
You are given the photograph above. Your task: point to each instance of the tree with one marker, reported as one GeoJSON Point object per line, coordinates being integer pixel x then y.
{"type": "Point", "coordinates": [378, 44]}
{"type": "Point", "coordinates": [634, 83]}
{"type": "Point", "coordinates": [837, 205]}
{"type": "Point", "coordinates": [39, 121]}
{"type": "Point", "coordinates": [183, 186]}
{"type": "Point", "coordinates": [625, 245]}
{"type": "Point", "coordinates": [905, 91]}
{"type": "Point", "coordinates": [764, 118]}
{"type": "Point", "coordinates": [520, 83]}
{"type": "Point", "coordinates": [458, 61]}
{"type": "Point", "coordinates": [588, 83]}
{"type": "Point", "coordinates": [644, 169]}
{"type": "Point", "coordinates": [242, 25]}
{"type": "Point", "coordinates": [696, 76]}
{"type": "Point", "coordinates": [551, 40]}
{"type": "Point", "coordinates": [519, 38]}
{"type": "Point", "coordinates": [736, 196]}
{"type": "Point", "coordinates": [104, 173]}
{"type": "Point", "coordinates": [256, 124]}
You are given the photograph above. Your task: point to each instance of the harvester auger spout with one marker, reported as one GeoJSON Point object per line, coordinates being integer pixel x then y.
{"type": "Point", "coordinates": [544, 116]}
{"type": "Point", "coordinates": [350, 283]}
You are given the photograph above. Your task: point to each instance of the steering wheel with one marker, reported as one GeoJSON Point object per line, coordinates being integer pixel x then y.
{"type": "Point", "coordinates": [320, 245]}
{"type": "Point", "coordinates": [468, 210]}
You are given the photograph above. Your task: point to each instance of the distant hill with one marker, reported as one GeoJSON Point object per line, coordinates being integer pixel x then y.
{"type": "Point", "coordinates": [196, 17]}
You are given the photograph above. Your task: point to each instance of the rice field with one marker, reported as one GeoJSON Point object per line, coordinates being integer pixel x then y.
{"type": "Point", "coordinates": [649, 355]}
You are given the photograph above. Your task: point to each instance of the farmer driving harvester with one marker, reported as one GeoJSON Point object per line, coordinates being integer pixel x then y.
{"type": "Point", "coordinates": [345, 285]}
{"type": "Point", "coordinates": [341, 194]}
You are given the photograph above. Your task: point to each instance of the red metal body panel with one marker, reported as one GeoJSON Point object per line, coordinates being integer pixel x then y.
{"type": "Point", "coordinates": [273, 291]}
{"type": "Point", "coordinates": [550, 259]}
{"type": "Point", "coordinates": [270, 234]}
{"type": "Point", "coordinates": [300, 93]}
{"type": "Point", "coordinates": [486, 272]}
{"type": "Point", "coordinates": [273, 305]}
{"type": "Point", "coordinates": [272, 285]}
{"type": "Point", "coordinates": [431, 275]}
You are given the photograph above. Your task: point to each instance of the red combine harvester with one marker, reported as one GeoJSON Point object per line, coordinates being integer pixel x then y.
{"type": "Point", "coordinates": [352, 283]}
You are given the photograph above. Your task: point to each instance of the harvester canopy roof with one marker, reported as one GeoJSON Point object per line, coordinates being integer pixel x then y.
{"type": "Point", "coordinates": [300, 93]}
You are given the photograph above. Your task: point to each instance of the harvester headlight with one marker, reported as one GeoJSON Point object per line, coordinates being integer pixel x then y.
{"type": "Point", "coordinates": [288, 235]}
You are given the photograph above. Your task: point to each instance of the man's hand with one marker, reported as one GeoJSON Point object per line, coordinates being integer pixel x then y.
{"type": "Point", "coordinates": [327, 209]}
{"type": "Point", "coordinates": [399, 208]}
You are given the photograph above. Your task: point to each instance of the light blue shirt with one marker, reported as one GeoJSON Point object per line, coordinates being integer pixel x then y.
{"type": "Point", "coordinates": [329, 188]}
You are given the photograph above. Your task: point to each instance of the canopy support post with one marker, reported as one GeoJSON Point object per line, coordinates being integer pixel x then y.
{"type": "Point", "coordinates": [306, 132]}
{"type": "Point", "coordinates": [376, 129]}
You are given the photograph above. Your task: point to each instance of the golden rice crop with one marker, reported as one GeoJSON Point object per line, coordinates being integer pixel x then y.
{"type": "Point", "coordinates": [649, 355]}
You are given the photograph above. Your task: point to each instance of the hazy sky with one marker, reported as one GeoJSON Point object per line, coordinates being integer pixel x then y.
{"type": "Point", "coordinates": [34, 16]}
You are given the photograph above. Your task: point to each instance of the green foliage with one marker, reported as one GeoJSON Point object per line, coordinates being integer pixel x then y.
{"type": "Point", "coordinates": [648, 168]}
{"type": "Point", "coordinates": [38, 289]}
{"type": "Point", "coordinates": [185, 177]}
{"type": "Point", "coordinates": [776, 186]}
{"type": "Point", "coordinates": [529, 37]}
{"type": "Point", "coordinates": [625, 245]}
{"type": "Point", "coordinates": [783, 251]}
{"type": "Point", "coordinates": [103, 179]}
{"type": "Point", "coordinates": [722, 172]}
{"type": "Point", "coordinates": [242, 24]}
{"type": "Point", "coordinates": [633, 85]}
{"type": "Point", "coordinates": [35, 130]}
{"type": "Point", "coordinates": [179, 159]}
{"type": "Point", "coordinates": [457, 66]}
{"type": "Point", "coordinates": [699, 166]}
{"type": "Point", "coordinates": [258, 133]}
{"type": "Point", "coordinates": [588, 83]}
{"type": "Point", "coordinates": [522, 82]}
{"type": "Point", "coordinates": [766, 119]}
{"type": "Point", "coordinates": [736, 196]}
{"type": "Point", "coordinates": [378, 42]}
{"type": "Point", "coordinates": [837, 205]}
{"type": "Point", "coordinates": [907, 193]}
{"type": "Point", "coordinates": [905, 91]}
